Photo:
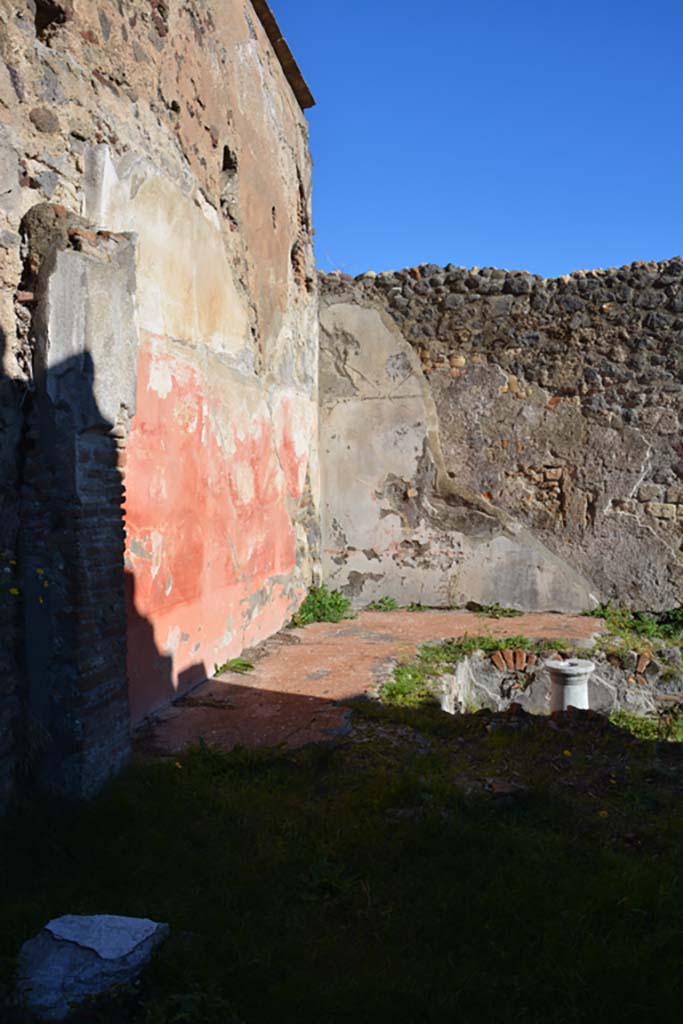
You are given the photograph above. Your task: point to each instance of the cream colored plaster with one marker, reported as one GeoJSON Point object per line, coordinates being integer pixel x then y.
{"type": "Point", "coordinates": [186, 288]}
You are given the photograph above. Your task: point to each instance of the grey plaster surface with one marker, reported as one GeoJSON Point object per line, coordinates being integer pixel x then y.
{"type": "Point", "coordinates": [396, 523]}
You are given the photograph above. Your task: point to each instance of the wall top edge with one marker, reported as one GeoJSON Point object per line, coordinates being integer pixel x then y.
{"type": "Point", "coordinates": [284, 54]}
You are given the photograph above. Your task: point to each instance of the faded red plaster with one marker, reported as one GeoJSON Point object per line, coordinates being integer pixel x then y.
{"type": "Point", "coordinates": [293, 459]}
{"type": "Point", "coordinates": [209, 532]}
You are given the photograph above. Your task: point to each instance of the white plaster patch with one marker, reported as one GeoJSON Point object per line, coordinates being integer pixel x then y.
{"type": "Point", "coordinates": [243, 476]}
{"type": "Point", "coordinates": [248, 59]}
{"type": "Point", "coordinates": [158, 490]}
{"type": "Point", "coordinates": [173, 639]}
{"type": "Point", "coordinates": [160, 378]}
{"type": "Point", "coordinates": [157, 547]}
{"type": "Point", "coordinates": [207, 209]}
{"type": "Point", "coordinates": [228, 634]}
{"type": "Point", "coordinates": [204, 435]}
{"type": "Point", "coordinates": [186, 287]}
{"type": "Point", "coordinates": [101, 187]}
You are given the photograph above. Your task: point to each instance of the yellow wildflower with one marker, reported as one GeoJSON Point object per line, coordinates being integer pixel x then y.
{"type": "Point", "coordinates": [14, 590]}
{"type": "Point", "coordinates": [567, 753]}
{"type": "Point", "coordinates": [604, 814]}
{"type": "Point", "coordinates": [41, 572]}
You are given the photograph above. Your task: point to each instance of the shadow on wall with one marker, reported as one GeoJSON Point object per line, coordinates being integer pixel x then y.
{"type": "Point", "coordinates": [66, 608]}
{"type": "Point", "coordinates": [10, 420]}
{"type": "Point", "coordinates": [151, 667]}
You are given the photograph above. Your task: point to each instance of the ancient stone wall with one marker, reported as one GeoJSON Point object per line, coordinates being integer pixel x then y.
{"type": "Point", "coordinates": [548, 406]}
{"type": "Point", "coordinates": [71, 538]}
{"type": "Point", "coordinates": [174, 128]}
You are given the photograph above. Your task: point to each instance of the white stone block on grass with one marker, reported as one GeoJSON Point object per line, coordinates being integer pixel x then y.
{"type": "Point", "coordinates": [77, 957]}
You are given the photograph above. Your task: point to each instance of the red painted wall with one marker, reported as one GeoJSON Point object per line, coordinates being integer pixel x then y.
{"type": "Point", "coordinates": [213, 476]}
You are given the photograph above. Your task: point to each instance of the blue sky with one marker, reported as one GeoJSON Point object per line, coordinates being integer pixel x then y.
{"type": "Point", "coordinates": [532, 134]}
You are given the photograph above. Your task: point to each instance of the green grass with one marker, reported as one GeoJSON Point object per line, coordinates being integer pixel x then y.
{"type": "Point", "coordinates": [414, 683]}
{"type": "Point", "coordinates": [240, 665]}
{"type": "Point", "coordinates": [410, 685]}
{"type": "Point", "coordinates": [645, 728]}
{"type": "Point", "coordinates": [322, 605]}
{"type": "Point", "coordinates": [379, 880]}
{"type": "Point", "coordinates": [667, 725]}
{"type": "Point", "coordinates": [390, 604]}
{"type": "Point", "coordinates": [384, 604]}
{"type": "Point", "coordinates": [638, 631]}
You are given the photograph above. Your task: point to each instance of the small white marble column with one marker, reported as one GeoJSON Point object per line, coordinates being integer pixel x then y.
{"type": "Point", "coordinates": [569, 683]}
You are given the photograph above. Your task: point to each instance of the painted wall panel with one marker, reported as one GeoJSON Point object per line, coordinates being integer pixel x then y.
{"type": "Point", "coordinates": [213, 478]}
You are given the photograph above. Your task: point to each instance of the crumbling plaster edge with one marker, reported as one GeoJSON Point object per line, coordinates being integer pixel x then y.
{"type": "Point", "coordinates": [499, 522]}
{"type": "Point", "coordinates": [447, 489]}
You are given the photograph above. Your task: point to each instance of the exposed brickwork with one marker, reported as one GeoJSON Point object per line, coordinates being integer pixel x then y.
{"type": "Point", "coordinates": [74, 624]}
{"type": "Point", "coordinates": [72, 650]}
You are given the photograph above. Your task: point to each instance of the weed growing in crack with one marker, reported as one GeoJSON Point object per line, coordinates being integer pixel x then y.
{"type": "Point", "coordinates": [240, 665]}
{"type": "Point", "coordinates": [384, 604]}
{"type": "Point", "coordinates": [322, 605]}
{"type": "Point", "coordinates": [493, 611]}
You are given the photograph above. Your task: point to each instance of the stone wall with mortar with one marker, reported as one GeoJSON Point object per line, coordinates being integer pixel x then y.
{"type": "Point", "coordinates": [174, 125]}
{"type": "Point", "coordinates": [549, 407]}
{"type": "Point", "coordinates": [71, 538]}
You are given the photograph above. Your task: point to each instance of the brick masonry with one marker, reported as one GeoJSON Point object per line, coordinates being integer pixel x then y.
{"type": "Point", "coordinates": [75, 723]}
